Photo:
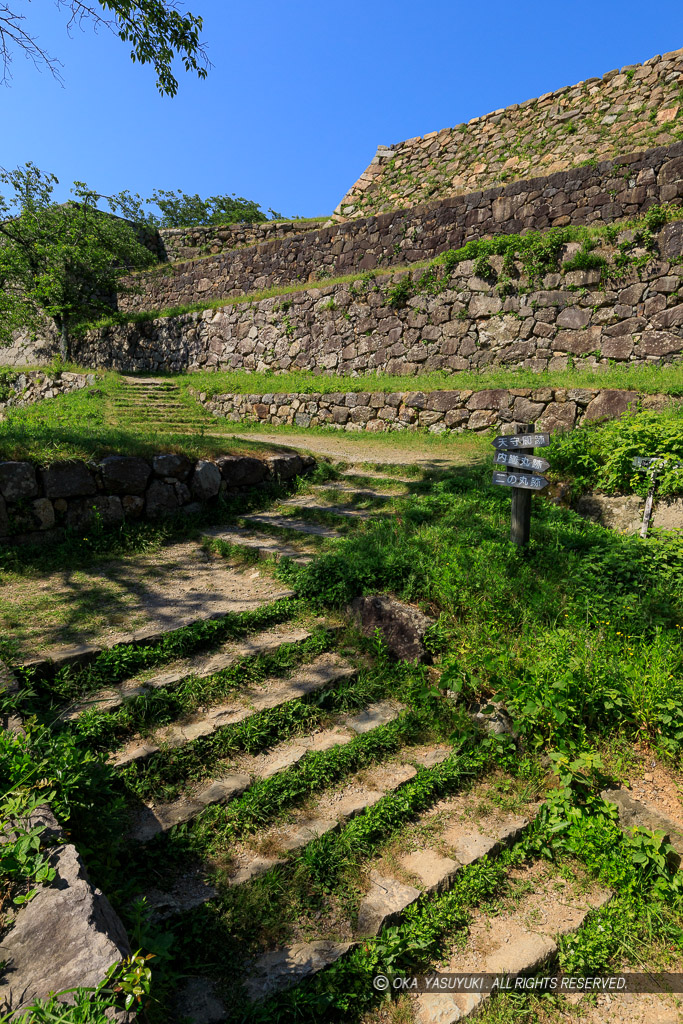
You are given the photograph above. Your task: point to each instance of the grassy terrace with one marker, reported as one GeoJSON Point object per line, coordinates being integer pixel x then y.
{"type": "Point", "coordinates": [538, 252]}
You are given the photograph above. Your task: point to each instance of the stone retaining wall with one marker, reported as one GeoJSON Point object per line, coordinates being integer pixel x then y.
{"type": "Point", "coordinates": [550, 409]}
{"type": "Point", "coordinates": [205, 239]}
{"type": "Point", "coordinates": [35, 500]}
{"type": "Point", "coordinates": [597, 119]}
{"type": "Point", "coordinates": [586, 195]}
{"type": "Point", "coordinates": [352, 328]}
{"type": "Point", "coordinates": [35, 385]}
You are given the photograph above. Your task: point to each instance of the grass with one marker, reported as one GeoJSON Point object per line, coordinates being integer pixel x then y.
{"type": "Point", "coordinates": [648, 379]}
{"type": "Point", "coordinates": [83, 425]}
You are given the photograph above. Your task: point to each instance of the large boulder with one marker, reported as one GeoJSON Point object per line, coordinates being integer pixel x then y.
{"type": "Point", "coordinates": [161, 499]}
{"type": "Point", "coordinates": [241, 470]}
{"type": "Point", "coordinates": [104, 509]}
{"type": "Point", "coordinates": [124, 474]}
{"type": "Point", "coordinates": [284, 467]}
{"type": "Point", "coordinates": [402, 626]}
{"type": "Point", "coordinates": [18, 480]}
{"type": "Point", "coordinates": [70, 479]}
{"type": "Point", "coordinates": [67, 936]}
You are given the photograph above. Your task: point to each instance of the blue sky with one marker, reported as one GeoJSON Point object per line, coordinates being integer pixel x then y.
{"type": "Point", "coordinates": [301, 94]}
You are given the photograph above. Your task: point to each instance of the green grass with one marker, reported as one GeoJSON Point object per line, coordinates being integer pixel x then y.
{"type": "Point", "coordinates": [648, 379]}
{"type": "Point", "coordinates": [83, 425]}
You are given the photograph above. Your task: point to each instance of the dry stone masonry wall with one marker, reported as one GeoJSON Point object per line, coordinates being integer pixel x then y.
{"type": "Point", "coordinates": [550, 409]}
{"type": "Point", "coordinates": [637, 107]}
{"type": "Point", "coordinates": [603, 193]}
{"type": "Point", "coordinates": [205, 239]}
{"type": "Point", "coordinates": [352, 328]}
{"type": "Point", "coordinates": [35, 500]}
{"type": "Point", "coordinates": [34, 386]}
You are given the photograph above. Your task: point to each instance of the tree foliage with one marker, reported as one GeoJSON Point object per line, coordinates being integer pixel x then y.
{"type": "Point", "coordinates": [62, 261]}
{"type": "Point", "coordinates": [179, 210]}
{"type": "Point", "coordinates": [158, 31]}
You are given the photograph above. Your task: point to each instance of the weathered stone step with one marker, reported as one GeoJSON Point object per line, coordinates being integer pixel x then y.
{"type": "Point", "coordinates": [516, 942]}
{"type": "Point", "coordinates": [326, 669]}
{"type": "Point", "coordinates": [311, 501]}
{"type": "Point", "coordinates": [280, 522]}
{"type": "Point", "coordinates": [265, 546]}
{"type": "Point", "coordinates": [200, 667]}
{"type": "Point", "coordinates": [635, 813]}
{"type": "Point", "coordinates": [333, 810]}
{"type": "Point", "coordinates": [388, 897]}
{"type": "Point", "coordinates": [151, 820]}
{"type": "Point", "coordinates": [83, 654]}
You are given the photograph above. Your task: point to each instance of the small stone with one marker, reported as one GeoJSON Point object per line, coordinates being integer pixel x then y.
{"type": "Point", "coordinates": [402, 626]}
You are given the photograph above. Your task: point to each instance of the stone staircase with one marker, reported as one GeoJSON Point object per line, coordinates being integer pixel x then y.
{"type": "Point", "coordinates": [150, 404]}
{"type": "Point", "coordinates": [284, 748]}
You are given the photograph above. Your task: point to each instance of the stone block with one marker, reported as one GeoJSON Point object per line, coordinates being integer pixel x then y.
{"type": "Point", "coordinates": [122, 474]}
{"type": "Point", "coordinates": [659, 343]}
{"type": "Point", "coordinates": [285, 467]}
{"type": "Point", "coordinates": [160, 500]}
{"type": "Point", "coordinates": [558, 416]}
{"type": "Point", "coordinates": [70, 479]}
{"type": "Point", "coordinates": [82, 513]}
{"type": "Point", "coordinates": [206, 480]}
{"type": "Point", "coordinates": [482, 420]}
{"type": "Point", "coordinates": [617, 348]}
{"type": "Point", "coordinates": [611, 405]}
{"type": "Point", "coordinates": [443, 401]}
{"type": "Point", "coordinates": [241, 470]}
{"type": "Point", "coordinates": [402, 626]}
{"type": "Point", "coordinates": [17, 480]}
{"type": "Point", "coordinates": [495, 398]}
{"type": "Point", "coordinates": [178, 466]}
{"type": "Point", "coordinates": [574, 317]}
{"type": "Point", "coordinates": [43, 513]}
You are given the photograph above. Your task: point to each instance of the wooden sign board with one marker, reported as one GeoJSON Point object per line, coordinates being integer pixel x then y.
{"type": "Point", "coordinates": [644, 461]}
{"type": "Point", "coordinates": [518, 461]}
{"type": "Point", "coordinates": [512, 441]}
{"type": "Point", "coordinates": [526, 481]}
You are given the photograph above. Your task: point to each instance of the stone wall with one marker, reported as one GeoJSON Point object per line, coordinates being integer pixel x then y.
{"type": "Point", "coordinates": [550, 409]}
{"type": "Point", "coordinates": [35, 500]}
{"type": "Point", "coordinates": [34, 386]}
{"type": "Point", "coordinates": [637, 107]}
{"type": "Point", "coordinates": [606, 192]}
{"type": "Point", "coordinates": [352, 328]}
{"type": "Point", "coordinates": [190, 243]}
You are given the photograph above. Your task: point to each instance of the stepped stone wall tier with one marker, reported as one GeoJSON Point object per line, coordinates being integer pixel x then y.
{"type": "Point", "coordinates": [189, 243]}
{"type": "Point", "coordinates": [603, 193]}
{"type": "Point", "coordinates": [550, 409]}
{"type": "Point", "coordinates": [636, 107]}
{"type": "Point", "coordinates": [34, 386]}
{"type": "Point", "coordinates": [352, 328]}
{"type": "Point", "coordinates": [34, 501]}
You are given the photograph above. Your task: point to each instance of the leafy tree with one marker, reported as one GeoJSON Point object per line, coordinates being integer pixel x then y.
{"type": "Point", "coordinates": [178, 210]}
{"type": "Point", "coordinates": [62, 261]}
{"type": "Point", "coordinates": [158, 31]}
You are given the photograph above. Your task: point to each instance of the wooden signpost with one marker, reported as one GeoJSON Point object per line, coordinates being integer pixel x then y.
{"type": "Point", "coordinates": [516, 453]}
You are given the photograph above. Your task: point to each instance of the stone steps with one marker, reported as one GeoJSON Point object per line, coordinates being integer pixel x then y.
{"type": "Point", "coordinates": [151, 820]}
{"type": "Point", "coordinates": [274, 520]}
{"type": "Point", "coordinates": [263, 545]}
{"type": "Point", "coordinates": [514, 942]}
{"type": "Point", "coordinates": [200, 667]}
{"type": "Point", "coordinates": [325, 670]}
{"type": "Point", "coordinates": [388, 895]}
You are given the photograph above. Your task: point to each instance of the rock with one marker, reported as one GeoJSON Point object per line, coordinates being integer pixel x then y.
{"type": "Point", "coordinates": [18, 480]}
{"type": "Point", "coordinates": [491, 399]}
{"type": "Point", "coordinates": [43, 513]}
{"type": "Point", "coordinates": [123, 474]}
{"type": "Point", "coordinates": [638, 814]}
{"type": "Point", "coordinates": [497, 722]}
{"type": "Point", "coordinates": [671, 171]}
{"type": "Point", "coordinates": [66, 936]}
{"type": "Point", "coordinates": [659, 343]}
{"type": "Point", "coordinates": [385, 900]}
{"type": "Point", "coordinates": [133, 505]}
{"type": "Point", "coordinates": [70, 479]}
{"type": "Point", "coordinates": [206, 480]}
{"type": "Point", "coordinates": [83, 512]}
{"type": "Point", "coordinates": [558, 416]}
{"type": "Point", "coordinates": [160, 500]}
{"type": "Point", "coordinates": [197, 1001]}
{"type": "Point", "coordinates": [434, 871]}
{"type": "Point", "coordinates": [668, 514]}
{"type": "Point", "coordinates": [241, 471]}
{"type": "Point", "coordinates": [4, 519]}
{"type": "Point", "coordinates": [622, 513]}
{"type": "Point", "coordinates": [525, 411]}
{"type": "Point", "coordinates": [611, 405]}
{"type": "Point", "coordinates": [285, 968]}
{"type": "Point", "coordinates": [177, 466]}
{"type": "Point", "coordinates": [402, 626]}
{"type": "Point", "coordinates": [574, 317]}
{"type": "Point", "coordinates": [284, 467]}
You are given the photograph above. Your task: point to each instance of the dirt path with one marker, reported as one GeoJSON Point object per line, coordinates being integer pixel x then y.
{"type": "Point", "coordinates": [402, 449]}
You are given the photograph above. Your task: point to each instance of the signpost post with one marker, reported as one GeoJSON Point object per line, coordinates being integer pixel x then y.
{"type": "Point", "coordinates": [653, 465]}
{"type": "Point", "coordinates": [516, 453]}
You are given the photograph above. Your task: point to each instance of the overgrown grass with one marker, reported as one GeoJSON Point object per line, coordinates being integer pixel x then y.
{"type": "Point", "coordinates": [648, 379]}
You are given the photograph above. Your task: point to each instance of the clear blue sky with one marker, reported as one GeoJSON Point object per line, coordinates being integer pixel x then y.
{"type": "Point", "coordinates": [301, 94]}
